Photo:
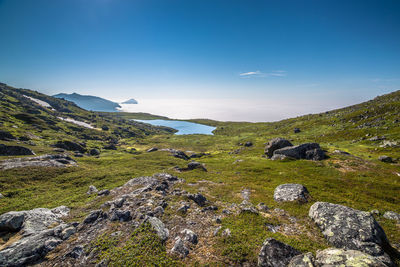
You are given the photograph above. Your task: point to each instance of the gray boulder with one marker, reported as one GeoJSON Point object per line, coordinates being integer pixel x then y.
{"type": "Point", "coordinates": [14, 150]}
{"type": "Point", "coordinates": [386, 159]}
{"type": "Point", "coordinates": [159, 227]}
{"type": "Point", "coordinates": [11, 221]}
{"type": "Point", "coordinates": [94, 152]}
{"type": "Point", "coordinates": [291, 192]}
{"type": "Point", "coordinates": [153, 149]}
{"type": "Point", "coordinates": [303, 151]}
{"type": "Point", "coordinates": [71, 146]}
{"type": "Point", "coordinates": [296, 130]}
{"type": "Point", "coordinates": [198, 198]}
{"type": "Point", "coordinates": [92, 190]}
{"type": "Point", "coordinates": [92, 217]}
{"type": "Point", "coordinates": [274, 253]}
{"type": "Point", "coordinates": [189, 236]}
{"type": "Point", "coordinates": [348, 228]}
{"type": "Point", "coordinates": [274, 144]}
{"type": "Point", "coordinates": [180, 248]}
{"type": "Point", "coordinates": [196, 165]}
{"type": "Point", "coordinates": [348, 258]}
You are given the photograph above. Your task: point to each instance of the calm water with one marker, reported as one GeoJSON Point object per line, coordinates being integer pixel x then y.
{"type": "Point", "coordinates": [183, 127]}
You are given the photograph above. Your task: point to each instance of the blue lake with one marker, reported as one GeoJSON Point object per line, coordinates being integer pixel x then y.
{"type": "Point", "coordinates": [183, 127]}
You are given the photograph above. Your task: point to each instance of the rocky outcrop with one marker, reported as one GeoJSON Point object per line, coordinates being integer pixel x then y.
{"type": "Point", "coordinates": [14, 150]}
{"type": "Point", "coordinates": [348, 228]}
{"type": "Point", "coordinates": [303, 260]}
{"type": "Point", "coordinates": [274, 144]}
{"type": "Point", "coordinates": [274, 253]}
{"type": "Point", "coordinates": [291, 192]}
{"type": "Point", "coordinates": [71, 146]}
{"type": "Point", "coordinates": [40, 230]}
{"type": "Point", "coordinates": [7, 136]}
{"type": "Point", "coordinates": [60, 160]}
{"type": "Point", "coordinates": [310, 151]}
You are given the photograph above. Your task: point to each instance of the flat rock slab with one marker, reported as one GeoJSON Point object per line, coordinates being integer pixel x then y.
{"type": "Point", "coordinates": [291, 192]}
{"type": "Point", "coordinates": [40, 161]}
{"type": "Point", "coordinates": [274, 253]}
{"type": "Point", "coordinates": [348, 228]}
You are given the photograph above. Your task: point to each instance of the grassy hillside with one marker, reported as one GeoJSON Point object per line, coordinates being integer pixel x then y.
{"type": "Point", "coordinates": [358, 180]}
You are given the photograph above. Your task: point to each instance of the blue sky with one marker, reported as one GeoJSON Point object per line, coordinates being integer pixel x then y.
{"type": "Point", "coordinates": [345, 51]}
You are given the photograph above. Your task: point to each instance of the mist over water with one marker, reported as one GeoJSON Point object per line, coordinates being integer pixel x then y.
{"type": "Point", "coordinates": [229, 109]}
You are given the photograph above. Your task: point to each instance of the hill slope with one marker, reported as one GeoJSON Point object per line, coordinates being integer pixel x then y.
{"type": "Point", "coordinates": [239, 176]}
{"type": "Point", "coordinates": [88, 102]}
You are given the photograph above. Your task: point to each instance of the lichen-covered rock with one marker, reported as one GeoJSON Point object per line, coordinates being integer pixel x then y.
{"type": "Point", "coordinates": [159, 227]}
{"type": "Point", "coordinates": [348, 258]}
{"type": "Point", "coordinates": [391, 215]}
{"type": "Point", "coordinates": [348, 228]}
{"type": "Point", "coordinates": [198, 198]}
{"type": "Point", "coordinates": [303, 260]}
{"type": "Point", "coordinates": [291, 192]}
{"type": "Point", "coordinates": [274, 253]}
{"type": "Point", "coordinates": [303, 151]}
{"type": "Point", "coordinates": [14, 150]}
{"type": "Point", "coordinates": [275, 144]}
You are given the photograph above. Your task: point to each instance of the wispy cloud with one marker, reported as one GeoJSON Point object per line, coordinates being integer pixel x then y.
{"type": "Point", "coordinates": [377, 80]}
{"type": "Point", "coordinates": [257, 73]}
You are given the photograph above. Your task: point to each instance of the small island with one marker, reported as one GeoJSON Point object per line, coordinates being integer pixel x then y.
{"type": "Point", "coordinates": [130, 101]}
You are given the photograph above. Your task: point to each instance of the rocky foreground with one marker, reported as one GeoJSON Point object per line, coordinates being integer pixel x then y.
{"type": "Point", "coordinates": [45, 237]}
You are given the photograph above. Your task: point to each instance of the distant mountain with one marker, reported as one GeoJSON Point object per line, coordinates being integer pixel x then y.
{"type": "Point", "coordinates": [130, 101]}
{"type": "Point", "coordinates": [89, 102]}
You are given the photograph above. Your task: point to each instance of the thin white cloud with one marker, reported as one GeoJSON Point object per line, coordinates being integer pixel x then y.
{"type": "Point", "coordinates": [257, 73]}
{"type": "Point", "coordinates": [377, 80]}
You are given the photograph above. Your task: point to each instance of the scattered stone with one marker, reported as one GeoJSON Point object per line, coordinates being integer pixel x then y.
{"type": "Point", "coordinates": [92, 190]}
{"type": "Point", "coordinates": [303, 151]}
{"type": "Point", "coordinates": [291, 192]}
{"type": "Point", "coordinates": [159, 227]}
{"type": "Point", "coordinates": [303, 260]}
{"type": "Point", "coordinates": [76, 252]}
{"type": "Point", "coordinates": [78, 155]}
{"type": "Point", "coordinates": [196, 165]}
{"type": "Point", "coordinates": [158, 211]}
{"type": "Point", "coordinates": [348, 228]}
{"type": "Point", "coordinates": [274, 144]}
{"type": "Point", "coordinates": [341, 152]}
{"type": "Point", "coordinates": [198, 198]}
{"type": "Point", "coordinates": [104, 192]}
{"type": "Point", "coordinates": [14, 150]}
{"type": "Point", "coordinates": [180, 155]}
{"type": "Point", "coordinates": [387, 143]}
{"type": "Point", "coordinates": [153, 149]}
{"type": "Point", "coordinates": [386, 159]}
{"type": "Point", "coordinates": [110, 147]}
{"type": "Point", "coordinates": [341, 257]}
{"type": "Point", "coordinates": [94, 152]}
{"type": "Point", "coordinates": [59, 150]}
{"type": "Point", "coordinates": [391, 215]}
{"type": "Point", "coordinates": [92, 217]}
{"type": "Point", "coordinates": [189, 236]}
{"type": "Point", "coordinates": [212, 208]}
{"type": "Point", "coordinates": [71, 146]}
{"type": "Point", "coordinates": [275, 253]}
{"type": "Point", "coordinates": [183, 208]}
{"type": "Point", "coordinates": [121, 215]}
{"type": "Point", "coordinates": [218, 219]}
{"type": "Point", "coordinates": [280, 157]}
{"type": "Point", "coordinates": [262, 207]}
{"type": "Point", "coordinates": [216, 231]}
{"type": "Point", "coordinates": [296, 130]}
{"type": "Point", "coordinates": [59, 160]}
{"type": "Point", "coordinates": [180, 248]}
{"type": "Point", "coordinates": [248, 144]}
{"type": "Point", "coordinates": [374, 212]}
{"type": "Point", "coordinates": [377, 138]}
